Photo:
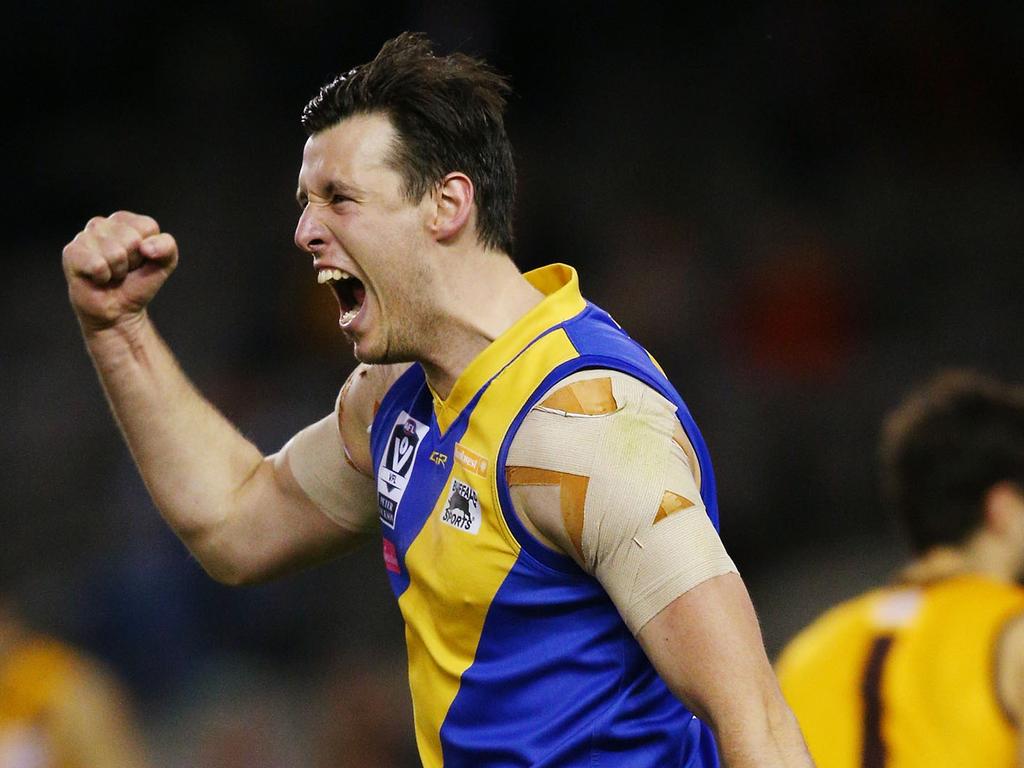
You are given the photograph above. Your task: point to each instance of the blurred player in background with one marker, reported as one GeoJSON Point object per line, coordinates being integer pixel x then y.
{"type": "Point", "coordinates": [58, 708]}
{"type": "Point", "coordinates": [929, 671]}
{"type": "Point", "coordinates": [545, 504]}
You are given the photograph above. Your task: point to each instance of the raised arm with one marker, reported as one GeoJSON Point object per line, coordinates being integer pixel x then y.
{"type": "Point", "coordinates": [625, 503]}
{"type": "Point", "coordinates": [244, 516]}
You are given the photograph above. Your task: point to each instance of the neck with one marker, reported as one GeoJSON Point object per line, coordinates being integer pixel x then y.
{"type": "Point", "coordinates": [982, 555]}
{"type": "Point", "coordinates": [484, 295]}
{"type": "Point", "coordinates": [11, 633]}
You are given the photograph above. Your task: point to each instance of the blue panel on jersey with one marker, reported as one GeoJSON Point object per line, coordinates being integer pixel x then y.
{"type": "Point", "coordinates": [425, 479]}
{"type": "Point", "coordinates": [561, 640]}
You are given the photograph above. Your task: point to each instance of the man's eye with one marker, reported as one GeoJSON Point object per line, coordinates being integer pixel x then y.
{"type": "Point", "coordinates": [339, 199]}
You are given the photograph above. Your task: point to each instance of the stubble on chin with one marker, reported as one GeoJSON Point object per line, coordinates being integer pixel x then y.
{"type": "Point", "coordinates": [374, 355]}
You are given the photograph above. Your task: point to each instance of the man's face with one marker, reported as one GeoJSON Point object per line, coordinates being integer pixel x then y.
{"type": "Point", "coordinates": [368, 242]}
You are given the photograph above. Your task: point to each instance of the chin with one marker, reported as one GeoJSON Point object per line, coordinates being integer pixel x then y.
{"type": "Point", "coordinates": [370, 353]}
{"type": "Point", "coordinates": [367, 356]}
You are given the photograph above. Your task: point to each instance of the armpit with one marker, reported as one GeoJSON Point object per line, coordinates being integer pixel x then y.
{"type": "Point", "coordinates": [628, 501]}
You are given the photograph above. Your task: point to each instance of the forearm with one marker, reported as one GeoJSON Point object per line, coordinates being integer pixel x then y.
{"type": "Point", "coordinates": [193, 461]}
{"type": "Point", "coordinates": [767, 737]}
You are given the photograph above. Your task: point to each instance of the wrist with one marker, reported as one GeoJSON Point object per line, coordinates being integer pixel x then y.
{"type": "Point", "coordinates": [127, 334]}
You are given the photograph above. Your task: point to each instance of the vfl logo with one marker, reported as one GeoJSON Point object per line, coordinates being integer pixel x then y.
{"type": "Point", "coordinates": [462, 510]}
{"type": "Point", "coordinates": [396, 465]}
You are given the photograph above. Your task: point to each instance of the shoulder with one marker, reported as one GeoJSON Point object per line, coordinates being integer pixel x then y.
{"type": "Point", "coordinates": [46, 674]}
{"type": "Point", "coordinates": [38, 664]}
{"type": "Point", "coordinates": [611, 479]}
{"type": "Point", "coordinates": [357, 404]}
{"type": "Point", "coordinates": [599, 408]}
{"type": "Point", "coordinates": [366, 386]}
{"type": "Point", "coordinates": [600, 438]}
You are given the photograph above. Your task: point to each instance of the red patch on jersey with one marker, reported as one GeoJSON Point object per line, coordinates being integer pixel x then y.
{"type": "Point", "coordinates": [391, 557]}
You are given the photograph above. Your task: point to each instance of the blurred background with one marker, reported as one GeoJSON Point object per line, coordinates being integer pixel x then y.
{"type": "Point", "coordinates": [801, 211]}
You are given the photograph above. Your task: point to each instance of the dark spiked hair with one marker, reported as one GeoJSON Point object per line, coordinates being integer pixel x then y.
{"type": "Point", "coordinates": [448, 112]}
{"type": "Point", "coordinates": [942, 450]}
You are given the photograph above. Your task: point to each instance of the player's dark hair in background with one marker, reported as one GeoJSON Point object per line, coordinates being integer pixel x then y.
{"type": "Point", "coordinates": [448, 112]}
{"type": "Point", "coordinates": [944, 447]}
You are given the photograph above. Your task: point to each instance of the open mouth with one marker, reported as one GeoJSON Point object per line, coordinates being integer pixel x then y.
{"type": "Point", "coordinates": [349, 290]}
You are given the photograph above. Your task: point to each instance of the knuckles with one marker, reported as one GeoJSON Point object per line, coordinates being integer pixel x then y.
{"type": "Point", "coordinates": [110, 244]}
{"type": "Point", "coordinates": [76, 251]}
{"type": "Point", "coordinates": [144, 225]}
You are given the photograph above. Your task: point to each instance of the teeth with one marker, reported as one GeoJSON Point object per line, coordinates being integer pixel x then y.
{"type": "Point", "coordinates": [349, 316]}
{"type": "Point", "coordinates": [328, 275]}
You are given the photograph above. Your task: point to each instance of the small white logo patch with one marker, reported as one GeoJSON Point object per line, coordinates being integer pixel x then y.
{"type": "Point", "coordinates": [462, 510]}
{"type": "Point", "coordinates": [396, 465]}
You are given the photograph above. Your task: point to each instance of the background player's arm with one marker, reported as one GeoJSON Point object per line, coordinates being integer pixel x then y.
{"type": "Point", "coordinates": [603, 471]}
{"type": "Point", "coordinates": [1010, 678]}
{"type": "Point", "coordinates": [241, 514]}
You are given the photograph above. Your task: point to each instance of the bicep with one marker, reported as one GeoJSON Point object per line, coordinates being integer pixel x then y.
{"type": "Point", "coordinates": [301, 506]}
{"type": "Point", "coordinates": [707, 646]}
{"type": "Point", "coordinates": [315, 498]}
{"type": "Point", "coordinates": [290, 528]}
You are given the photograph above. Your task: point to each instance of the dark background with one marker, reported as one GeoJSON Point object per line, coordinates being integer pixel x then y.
{"type": "Point", "coordinates": [802, 211]}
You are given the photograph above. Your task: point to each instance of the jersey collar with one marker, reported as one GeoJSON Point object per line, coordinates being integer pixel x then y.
{"type": "Point", "coordinates": [562, 301]}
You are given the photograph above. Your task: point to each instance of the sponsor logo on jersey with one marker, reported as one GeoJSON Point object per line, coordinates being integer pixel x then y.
{"type": "Point", "coordinates": [396, 465]}
{"type": "Point", "coordinates": [473, 462]}
{"type": "Point", "coordinates": [462, 510]}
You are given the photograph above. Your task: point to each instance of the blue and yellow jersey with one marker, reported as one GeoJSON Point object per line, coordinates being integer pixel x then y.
{"type": "Point", "coordinates": [904, 677]}
{"type": "Point", "coordinates": [516, 656]}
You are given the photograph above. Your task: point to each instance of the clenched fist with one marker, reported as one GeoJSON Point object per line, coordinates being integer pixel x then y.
{"type": "Point", "coordinates": [115, 266]}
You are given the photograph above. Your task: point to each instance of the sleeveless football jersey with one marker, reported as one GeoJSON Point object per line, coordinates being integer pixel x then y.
{"type": "Point", "coordinates": [34, 675]}
{"type": "Point", "coordinates": [903, 677]}
{"type": "Point", "coordinates": [516, 656]}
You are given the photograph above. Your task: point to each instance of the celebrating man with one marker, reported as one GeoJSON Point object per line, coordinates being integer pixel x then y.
{"type": "Point", "coordinates": [545, 502]}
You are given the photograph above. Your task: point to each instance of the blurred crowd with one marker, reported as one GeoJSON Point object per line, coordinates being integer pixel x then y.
{"type": "Point", "coordinates": [800, 211]}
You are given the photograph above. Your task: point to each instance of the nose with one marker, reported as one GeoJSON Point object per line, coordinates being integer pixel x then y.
{"type": "Point", "coordinates": [310, 234]}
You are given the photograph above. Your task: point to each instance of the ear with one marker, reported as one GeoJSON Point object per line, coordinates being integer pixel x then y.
{"type": "Point", "coordinates": [1004, 507]}
{"type": "Point", "coordinates": [453, 199]}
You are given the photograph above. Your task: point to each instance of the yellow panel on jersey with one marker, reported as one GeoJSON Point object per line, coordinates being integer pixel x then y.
{"type": "Point", "coordinates": [440, 652]}
{"type": "Point", "coordinates": [903, 677]}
